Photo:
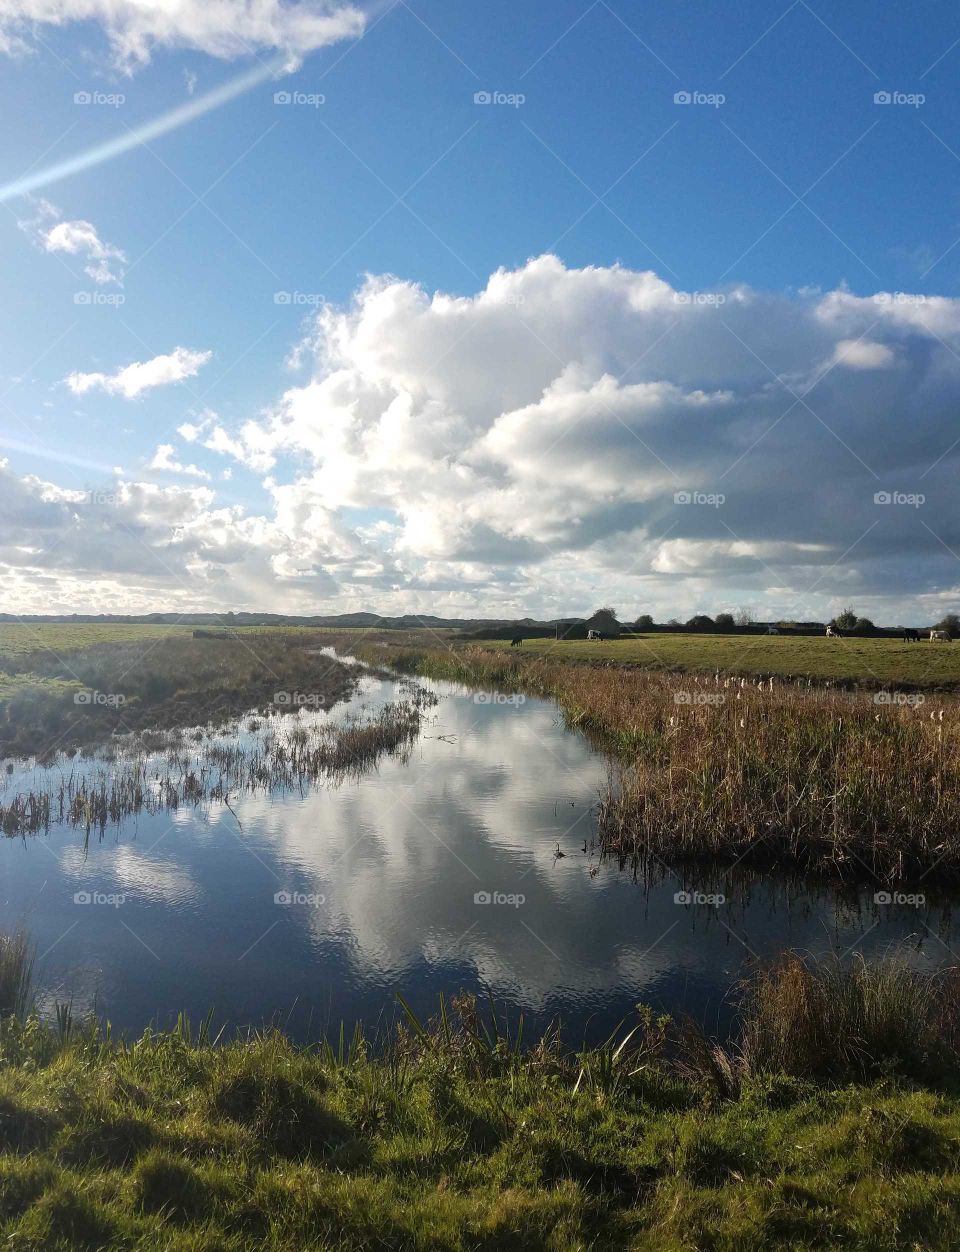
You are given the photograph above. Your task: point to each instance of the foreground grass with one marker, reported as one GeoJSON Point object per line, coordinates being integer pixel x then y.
{"type": "Point", "coordinates": [776, 772]}
{"type": "Point", "coordinates": [453, 1138]}
{"type": "Point", "coordinates": [871, 662]}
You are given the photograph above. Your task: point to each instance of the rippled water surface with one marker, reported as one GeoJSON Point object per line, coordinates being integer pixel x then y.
{"type": "Point", "coordinates": [319, 907]}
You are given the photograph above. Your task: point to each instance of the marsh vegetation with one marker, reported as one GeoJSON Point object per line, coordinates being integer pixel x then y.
{"type": "Point", "coordinates": [712, 767]}
{"type": "Point", "coordinates": [57, 700]}
{"type": "Point", "coordinates": [457, 1133]}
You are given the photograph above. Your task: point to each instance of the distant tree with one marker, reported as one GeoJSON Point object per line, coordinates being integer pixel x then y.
{"type": "Point", "coordinates": [863, 626]}
{"type": "Point", "coordinates": [950, 622]}
{"type": "Point", "coordinates": [607, 612]}
{"type": "Point", "coordinates": [724, 621]}
{"type": "Point", "coordinates": [644, 622]}
{"type": "Point", "coordinates": [700, 621]}
{"type": "Point", "coordinates": [846, 620]}
{"type": "Point", "coordinates": [673, 623]}
{"type": "Point", "coordinates": [744, 615]}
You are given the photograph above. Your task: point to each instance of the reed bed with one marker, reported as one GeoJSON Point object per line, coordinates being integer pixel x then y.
{"type": "Point", "coordinates": [283, 757]}
{"type": "Point", "coordinates": [16, 973]}
{"type": "Point", "coordinates": [732, 768]}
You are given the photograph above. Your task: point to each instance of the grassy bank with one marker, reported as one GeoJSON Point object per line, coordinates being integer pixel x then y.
{"type": "Point", "coordinates": [871, 663]}
{"type": "Point", "coordinates": [849, 783]}
{"type": "Point", "coordinates": [56, 697]}
{"type": "Point", "coordinates": [452, 1137]}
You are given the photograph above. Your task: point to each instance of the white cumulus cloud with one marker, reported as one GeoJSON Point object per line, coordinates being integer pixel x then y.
{"type": "Point", "coordinates": [133, 380]}
{"type": "Point", "coordinates": [104, 261]}
{"type": "Point", "coordinates": [559, 439]}
{"type": "Point", "coordinates": [163, 459]}
{"type": "Point", "coordinates": [220, 28]}
{"type": "Point", "coordinates": [53, 233]}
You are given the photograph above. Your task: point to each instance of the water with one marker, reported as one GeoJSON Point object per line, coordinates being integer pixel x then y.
{"type": "Point", "coordinates": [424, 877]}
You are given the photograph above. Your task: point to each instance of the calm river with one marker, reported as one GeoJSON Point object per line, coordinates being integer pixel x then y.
{"type": "Point", "coordinates": [424, 877]}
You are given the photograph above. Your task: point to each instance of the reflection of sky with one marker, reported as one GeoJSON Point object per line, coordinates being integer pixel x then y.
{"type": "Point", "coordinates": [487, 794]}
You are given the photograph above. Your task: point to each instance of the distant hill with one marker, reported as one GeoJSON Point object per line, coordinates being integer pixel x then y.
{"type": "Point", "coordinates": [409, 621]}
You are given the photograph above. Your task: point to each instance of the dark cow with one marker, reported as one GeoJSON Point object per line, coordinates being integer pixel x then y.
{"type": "Point", "coordinates": [911, 636]}
{"type": "Point", "coordinates": [515, 643]}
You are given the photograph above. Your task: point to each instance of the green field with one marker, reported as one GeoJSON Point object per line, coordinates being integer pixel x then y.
{"type": "Point", "coordinates": [61, 637]}
{"type": "Point", "coordinates": [870, 661]}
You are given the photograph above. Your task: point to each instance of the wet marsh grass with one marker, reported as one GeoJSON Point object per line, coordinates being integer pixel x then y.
{"type": "Point", "coordinates": [708, 767]}
{"type": "Point", "coordinates": [455, 1135]}
{"type": "Point", "coordinates": [156, 681]}
{"type": "Point", "coordinates": [156, 775]}
{"type": "Point", "coordinates": [16, 973]}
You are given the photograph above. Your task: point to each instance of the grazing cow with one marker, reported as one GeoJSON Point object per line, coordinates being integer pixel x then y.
{"type": "Point", "coordinates": [772, 630]}
{"type": "Point", "coordinates": [516, 642]}
{"type": "Point", "coordinates": [940, 634]}
{"type": "Point", "coordinates": [596, 635]}
{"type": "Point", "coordinates": [834, 632]}
{"type": "Point", "coordinates": [911, 636]}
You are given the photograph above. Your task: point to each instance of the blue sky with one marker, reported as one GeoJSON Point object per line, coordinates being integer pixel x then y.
{"type": "Point", "coordinates": [783, 177]}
